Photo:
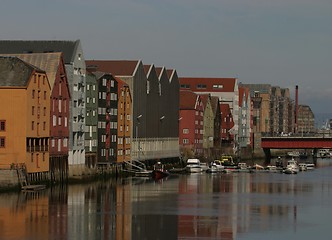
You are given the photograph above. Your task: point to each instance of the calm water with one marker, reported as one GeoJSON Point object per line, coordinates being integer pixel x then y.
{"type": "Point", "coordinates": [197, 206]}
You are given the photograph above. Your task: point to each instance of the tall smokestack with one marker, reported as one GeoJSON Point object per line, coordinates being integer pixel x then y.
{"type": "Point", "coordinates": [296, 106]}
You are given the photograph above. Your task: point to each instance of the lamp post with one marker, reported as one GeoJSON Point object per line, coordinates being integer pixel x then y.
{"type": "Point", "coordinates": [159, 133]}
{"type": "Point", "coordinates": [137, 141]}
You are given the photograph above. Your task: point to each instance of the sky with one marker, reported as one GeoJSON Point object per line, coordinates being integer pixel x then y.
{"type": "Point", "coordinates": [280, 42]}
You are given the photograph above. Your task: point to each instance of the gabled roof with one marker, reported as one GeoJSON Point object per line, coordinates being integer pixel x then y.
{"type": "Point", "coordinates": [243, 92]}
{"type": "Point", "coordinates": [14, 72]}
{"type": "Point", "coordinates": [48, 62]}
{"type": "Point", "coordinates": [121, 84]}
{"type": "Point", "coordinates": [188, 100]}
{"type": "Point", "coordinates": [99, 74]}
{"type": "Point", "coordinates": [116, 67]}
{"type": "Point", "coordinates": [210, 84]}
{"type": "Point", "coordinates": [148, 69]}
{"type": "Point", "coordinates": [170, 73]}
{"type": "Point", "coordinates": [41, 46]}
{"type": "Point", "coordinates": [205, 99]}
{"type": "Point", "coordinates": [159, 70]}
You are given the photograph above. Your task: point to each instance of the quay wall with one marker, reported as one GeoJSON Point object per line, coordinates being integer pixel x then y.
{"type": "Point", "coordinates": [8, 178]}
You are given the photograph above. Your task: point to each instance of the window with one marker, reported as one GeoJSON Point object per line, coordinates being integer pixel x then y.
{"type": "Point", "coordinates": [2, 142]}
{"type": "Point", "coordinates": [217, 86]}
{"type": "Point", "coordinates": [33, 110]}
{"type": "Point", "coordinates": [2, 125]}
{"type": "Point", "coordinates": [185, 131]}
{"type": "Point", "coordinates": [185, 86]}
{"type": "Point", "coordinates": [33, 94]}
{"type": "Point", "coordinates": [33, 125]}
{"type": "Point", "coordinates": [201, 86]}
{"type": "Point", "coordinates": [54, 120]}
{"type": "Point", "coordinates": [44, 126]}
{"type": "Point", "coordinates": [185, 141]}
{"type": "Point", "coordinates": [60, 104]}
{"type": "Point", "coordinates": [44, 111]}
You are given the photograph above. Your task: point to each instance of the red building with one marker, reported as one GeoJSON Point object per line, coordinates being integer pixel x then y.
{"type": "Point", "coordinates": [191, 122]}
{"type": "Point", "coordinates": [227, 123]}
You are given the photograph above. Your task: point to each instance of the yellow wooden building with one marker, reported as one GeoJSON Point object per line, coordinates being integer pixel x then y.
{"type": "Point", "coordinates": [24, 117]}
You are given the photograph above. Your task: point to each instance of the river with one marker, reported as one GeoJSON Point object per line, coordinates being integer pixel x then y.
{"type": "Point", "coordinates": [196, 206]}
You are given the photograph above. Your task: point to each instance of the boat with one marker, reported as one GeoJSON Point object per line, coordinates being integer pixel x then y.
{"type": "Point", "coordinates": [227, 160]}
{"type": "Point", "coordinates": [159, 172]}
{"type": "Point", "coordinates": [218, 164]}
{"type": "Point", "coordinates": [310, 166]}
{"type": "Point", "coordinates": [194, 165]}
{"type": "Point", "coordinates": [137, 168]}
{"type": "Point", "coordinates": [213, 168]}
{"type": "Point", "coordinates": [292, 167]}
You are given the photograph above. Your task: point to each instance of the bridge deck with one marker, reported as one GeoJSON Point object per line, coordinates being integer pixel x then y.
{"type": "Point", "coordinates": [296, 142]}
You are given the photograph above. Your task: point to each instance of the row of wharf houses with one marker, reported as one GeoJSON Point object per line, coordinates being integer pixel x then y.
{"type": "Point", "coordinates": [62, 115]}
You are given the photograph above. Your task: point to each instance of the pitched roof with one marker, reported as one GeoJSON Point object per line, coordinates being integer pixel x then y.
{"type": "Point", "coordinates": [116, 67]}
{"type": "Point", "coordinates": [49, 62]}
{"type": "Point", "coordinates": [205, 98]}
{"type": "Point", "coordinates": [14, 72]}
{"type": "Point", "coordinates": [41, 46]}
{"type": "Point", "coordinates": [209, 84]}
{"type": "Point", "coordinates": [188, 99]}
{"type": "Point", "coordinates": [243, 92]}
{"type": "Point", "coordinates": [158, 70]}
{"type": "Point", "coordinates": [147, 69]}
{"type": "Point", "coordinates": [170, 73]}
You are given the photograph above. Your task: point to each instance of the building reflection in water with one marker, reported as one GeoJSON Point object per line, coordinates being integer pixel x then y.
{"type": "Point", "coordinates": [185, 206]}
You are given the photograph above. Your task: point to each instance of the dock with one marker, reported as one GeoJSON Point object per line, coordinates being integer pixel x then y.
{"type": "Point", "coordinates": [33, 187]}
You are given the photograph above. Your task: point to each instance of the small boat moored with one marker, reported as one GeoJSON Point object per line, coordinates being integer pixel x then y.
{"type": "Point", "coordinates": [292, 167]}
{"type": "Point", "coordinates": [194, 165]}
{"type": "Point", "coordinates": [159, 172]}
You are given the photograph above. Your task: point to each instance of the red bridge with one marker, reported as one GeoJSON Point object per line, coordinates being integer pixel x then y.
{"type": "Point", "coordinates": [294, 143]}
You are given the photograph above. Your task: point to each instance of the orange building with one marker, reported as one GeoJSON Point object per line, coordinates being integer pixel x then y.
{"type": "Point", "coordinates": [24, 116]}
{"type": "Point", "coordinates": [124, 119]}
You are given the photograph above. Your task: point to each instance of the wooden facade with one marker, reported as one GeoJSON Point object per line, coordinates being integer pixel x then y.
{"type": "Point", "coordinates": [124, 122]}
{"type": "Point", "coordinates": [54, 66]}
{"type": "Point", "coordinates": [25, 110]}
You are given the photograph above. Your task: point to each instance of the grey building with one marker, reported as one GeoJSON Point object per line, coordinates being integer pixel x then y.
{"type": "Point", "coordinates": [154, 120]}
{"type": "Point", "coordinates": [91, 137]}
{"type": "Point", "coordinates": [75, 68]}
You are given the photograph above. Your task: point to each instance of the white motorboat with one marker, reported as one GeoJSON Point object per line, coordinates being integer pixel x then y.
{"type": "Point", "coordinates": [292, 167]}
{"type": "Point", "coordinates": [194, 165]}
{"type": "Point", "coordinates": [218, 164]}
{"type": "Point", "coordinates": [213, 168]}
{"type": "Point", "coordinates": [310, 166]}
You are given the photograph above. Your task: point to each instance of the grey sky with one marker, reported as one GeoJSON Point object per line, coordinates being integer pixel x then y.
{"type": "Point", "coordinates": [281, 42]}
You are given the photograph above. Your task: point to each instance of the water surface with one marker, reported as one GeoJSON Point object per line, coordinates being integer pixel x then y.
{"type": "Point", "coordinates": [196, 206]}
